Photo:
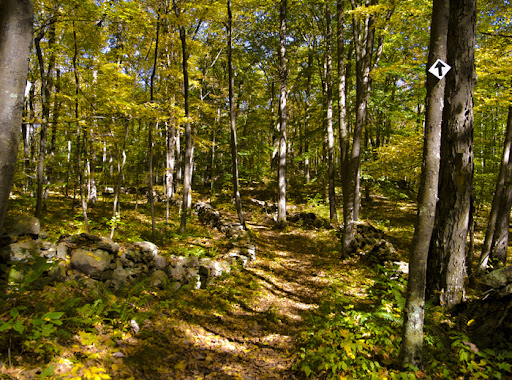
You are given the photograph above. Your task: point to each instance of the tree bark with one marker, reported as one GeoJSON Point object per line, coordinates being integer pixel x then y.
{"type": "Point", "coordinates": [187, 167]}
{"type": "Point", "coordinates": [329, 116]}
{"type": "Point", "coordinates": [16, 19]}
{"type": "Point", "coordinates": [150, 129]}
{"type": "Point", "coordinates": [170, 159]}
{"type": "Point", "coordinates": [307, 119]}
{"type": "Point", "coordinates": [364, 32]}
{"type": "Point", "coordinates": [499, 204]}
{"type": "Point", "coordinates": [283, 116]}
{"type": "Point", "coordinates": [342, 100]}
{"type": "Point", "coordinates": [367, 54]}
{"type": "Point", "coordinates": [46, 88]}
{"type": "Point", "coordinates": [412, 335]}
{"type": "Point", "coordinates": [232, 118]}
{"type": "Point", "coordinates": [80, 170]}
{"type": "Point", "coordinates": [447, 257]}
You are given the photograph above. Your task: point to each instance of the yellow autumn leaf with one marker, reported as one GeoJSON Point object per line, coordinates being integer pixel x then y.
{"type": "Point", "coordinates": [180, 366]}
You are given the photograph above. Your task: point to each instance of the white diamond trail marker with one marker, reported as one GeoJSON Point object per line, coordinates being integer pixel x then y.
{"type": "Point", "coordinates": [439, 69]}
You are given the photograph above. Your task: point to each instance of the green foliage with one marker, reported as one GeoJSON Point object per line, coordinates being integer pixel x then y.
{"type": "Point", "coordinates": [355, 341]}
{"type": "Point", "coordinates": [24, 274]}
{"type": "Point", "coordinates": [35, 331]}
{"type": "Point", "coordinates": [348, 340]}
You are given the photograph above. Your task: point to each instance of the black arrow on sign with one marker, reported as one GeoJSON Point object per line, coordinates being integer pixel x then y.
{"type": "Point", "coordinates": [440, 67]}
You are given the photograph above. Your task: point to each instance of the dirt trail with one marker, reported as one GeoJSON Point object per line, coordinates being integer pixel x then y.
{"type": "Point", "coordinates": [243, 328]}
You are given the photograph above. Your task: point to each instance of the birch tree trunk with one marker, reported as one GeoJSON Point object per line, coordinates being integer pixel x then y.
{"type": "Point", "coordinates": [16, 19]}
{"type": "Point", "coordinates": [414, 312]}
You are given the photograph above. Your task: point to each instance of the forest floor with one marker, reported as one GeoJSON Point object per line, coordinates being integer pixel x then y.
{"type": "Point", "coordinates": [244, 326]}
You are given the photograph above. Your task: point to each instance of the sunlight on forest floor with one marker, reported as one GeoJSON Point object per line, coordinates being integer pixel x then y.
{"type": "Point", "coordinates": [255, 323]}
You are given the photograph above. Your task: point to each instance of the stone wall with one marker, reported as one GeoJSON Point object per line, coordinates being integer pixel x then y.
{"type": "Point", "coordinates": [92, 259]}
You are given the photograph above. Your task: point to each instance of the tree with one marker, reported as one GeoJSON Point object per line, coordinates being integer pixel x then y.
{"type": "Point", "coordinates": [329, 117]}
{"type": "Point", "coordinates": [412, 340]}
{"type": "Point", "coordinates": [283, 116]}
{"type": "Point", "coordinates": [446, 267]}
{"type": "Point", "coordinates": [496, 236]}
{"type": "Point", "coordinates": [342, 96]}
{"type": "Point", "coordinates": [232, 121]}
{"type": "Point", "coordinates": [46, 89]}
{"type": "Point", "coordinates": [16, 20]}
{"type": "Point", "coordinates": [368, 49]}
{"type": "Point", "coordinates": [189, 147]}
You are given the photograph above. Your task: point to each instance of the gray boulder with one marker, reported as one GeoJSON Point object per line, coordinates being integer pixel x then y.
{"type": "Point", "coordinates": [62, 251]}
{"type": "Point", "coordinates": [91, 262]}
{"type": "Point", "coordinates": [213, 268]}
{"type": "Point", "coordinates": [498, 278]}
{"type": "Point", "coordinates": [109, 245]}
{"type": "Point", "coordinates": [160, 262]}
{"type": "Point", "coordinates": [148, 248]}
{"type": "Point", "coordinates": [119, 275]}
{"type": "Point", "coordinates": [58, 272]}
{"type": "Point", "coordinates": [23, 250]}
{"type": "Point", "coordinates": [158, 279]}
{"type": "Point", "coordinates": [177, 272]}
{"type": "Point", "coordinates": [26, 225]}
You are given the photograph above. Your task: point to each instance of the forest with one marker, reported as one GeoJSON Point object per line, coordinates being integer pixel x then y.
{"type": "Point", "coordinates": [255, 189]}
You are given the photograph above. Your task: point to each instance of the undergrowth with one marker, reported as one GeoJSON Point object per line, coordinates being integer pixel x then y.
{"type": "Point", "coordinates": [350, 339]}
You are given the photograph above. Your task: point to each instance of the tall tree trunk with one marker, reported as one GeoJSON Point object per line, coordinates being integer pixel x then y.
{"type": "Point", "coordinates": [329, 130]}
{"type": "Point", "coordinates": [232, 118]}
{"type": "Point", "coordinates": [46, 89]}
{"type": "Point", "coordinates": [364, 31]}
{"type": "Point", "coordinates": [447, 257]}
{"type": "Point", "coordinates": [53, 140]}
{"type": "Point", "coordinates": [499, 202]}
{"type": "Point", "coordinates": [80, 170]}
{"type": "Point", "coordinates": [283, 117]}
{"type": "Point", "coordinates": [367, 57]}
{"type": "Point", "coordinates": [342, 100]}
{"type": "Point", "coordinates": [414, 312]}
{"type": "Point", "coordinates": [189, 149]}
{"type": "Point", "coordinates": [150, 130]}
{"type": "Point", "coordinates": [16, 18]}
{"type": "Point", "coordinates": [307, 118]}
